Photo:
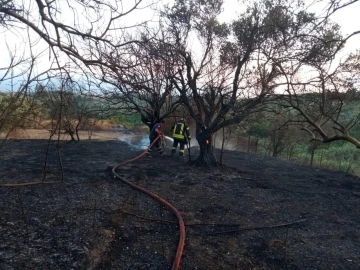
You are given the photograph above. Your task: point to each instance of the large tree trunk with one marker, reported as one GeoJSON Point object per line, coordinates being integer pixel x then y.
{"type": "Point", "coordinates": [150, 118]}
{"type": "Point", "coordinates": [206, 156]}
{"type": "Point", "coordinates": [222, 147]}
{"type": "Point", "coordinates": [77, 131]}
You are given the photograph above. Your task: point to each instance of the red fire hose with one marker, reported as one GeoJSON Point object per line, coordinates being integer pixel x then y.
{"type": "Point", "coordinates": [180, 248]}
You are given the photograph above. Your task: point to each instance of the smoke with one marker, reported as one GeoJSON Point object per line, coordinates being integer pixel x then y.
{"type": "Point", "coordinates": [138, 142]}
{"type": "Point", "coordinates": [141, 142]}
{"type": "Point", "coordinates": [217, 140]}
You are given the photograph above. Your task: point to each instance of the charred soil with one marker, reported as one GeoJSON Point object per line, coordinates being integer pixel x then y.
{"type": "Point", "coordinates": [254, 213]}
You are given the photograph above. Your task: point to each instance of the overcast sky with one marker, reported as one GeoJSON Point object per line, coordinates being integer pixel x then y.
{"type": "Point", "coordinates": [347, 18]}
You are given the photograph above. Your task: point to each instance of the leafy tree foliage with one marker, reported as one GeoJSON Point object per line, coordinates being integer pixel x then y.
{"type": "Point", "coordinates": [235, 70]}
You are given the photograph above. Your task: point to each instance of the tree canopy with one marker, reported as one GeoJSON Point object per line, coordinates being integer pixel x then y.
{"type": "Point", "coordinates": [221, 72]}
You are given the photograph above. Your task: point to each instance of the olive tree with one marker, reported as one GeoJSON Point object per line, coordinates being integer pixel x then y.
{"type": "Point", "coordinates": [232, 71]}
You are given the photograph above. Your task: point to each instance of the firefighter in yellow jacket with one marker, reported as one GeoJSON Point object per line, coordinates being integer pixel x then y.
{"type": "Point", "coordinates": [181, 135]}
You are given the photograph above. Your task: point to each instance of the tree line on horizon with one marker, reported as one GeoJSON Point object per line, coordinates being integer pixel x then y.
{"type": "Point", "coordinates": [276, 58]}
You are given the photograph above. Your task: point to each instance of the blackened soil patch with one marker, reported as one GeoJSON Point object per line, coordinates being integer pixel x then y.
{"type": "Point", "coordinates": [254, 213]}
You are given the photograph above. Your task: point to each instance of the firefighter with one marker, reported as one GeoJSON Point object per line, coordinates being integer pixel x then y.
{"type": "Point", "coordinates": [154, 133]}
{"type": "Point", "coordinates": [181, 135]}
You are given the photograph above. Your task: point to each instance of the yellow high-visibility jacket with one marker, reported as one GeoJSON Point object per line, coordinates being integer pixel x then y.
{"type": "Point", "coordinates": [180, 131]}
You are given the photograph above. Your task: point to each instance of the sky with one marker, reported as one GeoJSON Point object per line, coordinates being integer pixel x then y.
{"type": "Point", "coordinates": [17, 40]}
{"type": "Point", "coordinates": [347, 18]}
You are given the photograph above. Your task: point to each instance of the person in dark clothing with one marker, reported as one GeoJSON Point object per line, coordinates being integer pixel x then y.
{"type": "Point", "coordinates": [181, 135]}
{"type": "Point", "coordinates": [154, 133]}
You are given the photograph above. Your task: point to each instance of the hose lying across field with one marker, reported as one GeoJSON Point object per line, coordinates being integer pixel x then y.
{"type": "Point", "coordinates": [180, 248]}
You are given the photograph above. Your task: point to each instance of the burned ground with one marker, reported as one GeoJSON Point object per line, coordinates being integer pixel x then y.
{"type": "Point", "coordinates": [254, 213]}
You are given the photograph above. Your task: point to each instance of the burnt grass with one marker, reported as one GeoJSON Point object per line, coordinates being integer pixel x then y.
{"type": "Point", "coordinates": [255, 212]}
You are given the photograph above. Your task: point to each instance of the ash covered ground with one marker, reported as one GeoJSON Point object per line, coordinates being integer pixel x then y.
{"type": "Point", "coordinates": [255, 212]}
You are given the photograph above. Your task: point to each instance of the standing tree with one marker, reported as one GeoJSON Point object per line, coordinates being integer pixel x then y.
{"type": "Point", "coordinates": [231, 70]}
{"type": "Point", "coordinates": [77, 31]}
{"type": "Point", "coordinates": [144, 86]}
{"type": "Point", "coordinates": [332, 7]}
{"type": "Point", "coordinates": [79, 110]}
{"type": "Point", "coordinates": [320, 100]}
{"type": "Point", "coordinates": [19, 105]}
{"type": "Point", "coordinates": [80, 29]}
{"type": "Point", "coordinates": [259, 129]}
{"type": "Point", "coordinates": [317, 88]}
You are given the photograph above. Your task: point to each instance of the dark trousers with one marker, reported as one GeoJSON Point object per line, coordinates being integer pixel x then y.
{"type": "Point", "coordinates": [157, 144]}
{"type": "Point", "coordinates": [182, 146]}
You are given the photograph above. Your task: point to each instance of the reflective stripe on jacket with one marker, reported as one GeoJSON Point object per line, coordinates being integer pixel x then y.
{"type": "Point", "coordinates": [179, 130]}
